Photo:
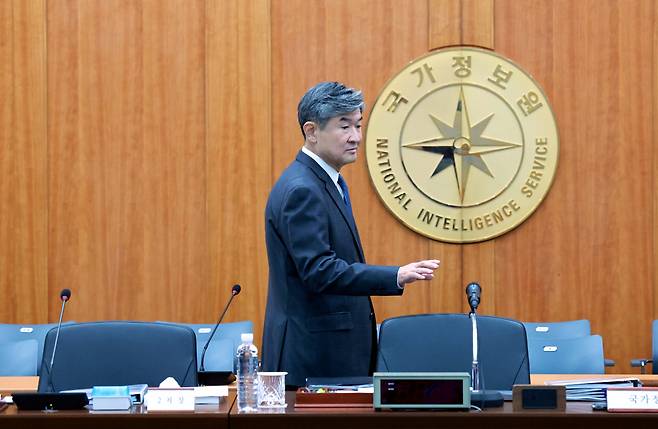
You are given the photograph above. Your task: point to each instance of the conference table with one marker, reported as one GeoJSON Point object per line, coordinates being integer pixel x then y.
{"type": "Point", "coordinates": [578, 415]}
{"type": "Point", "coordinates": [203, 417]}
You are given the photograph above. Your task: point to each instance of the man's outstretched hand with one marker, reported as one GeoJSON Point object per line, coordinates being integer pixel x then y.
{"type": "Point", "coordinates": [421, 270]}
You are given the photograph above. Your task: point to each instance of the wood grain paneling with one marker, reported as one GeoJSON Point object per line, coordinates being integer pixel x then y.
{"type": "Point", "coordinates": [388, 38]}
{"type": "Point", "coordinates": [176, 237]}
{"type": "Point", "coordinates": [478, 260]}
{"type": "Point", "coordinates": [461, 22]}
{"type": "Point", "coordinates": [139, 141]}
{"type": "Point", "coordinates": [360, 43]}
{"type": "Point", "coordinates": [127, 200]}
{"type": "Point", "coordinates": [239, 155]}
{"type": "Point", "coordinates": [445, 23]}
{"type": "Point", "coordinates": [478, 23]}
{"type": "Point", "coordinates": [548, 229]}
{"type": "Point", "coordinates": [630, 202]}
{"type": "Point", "coordinates": [646, 351]}
{"type": "Point", "coordinates": [23, 152]}
{"type": "Point", "coordinates": [445, 28]}
{"type": "Point", "coordinates": [585, 252]}
{"type": "Point", "coordinates": [454, 22]}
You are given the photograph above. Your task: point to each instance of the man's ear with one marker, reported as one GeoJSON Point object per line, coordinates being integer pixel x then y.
{"type": "Point", "coordinates": [310, 131]}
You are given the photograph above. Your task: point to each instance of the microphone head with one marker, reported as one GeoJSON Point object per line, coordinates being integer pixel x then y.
{"type": "Point", "coordinates": [236, 289]}
{"type": "Point", "coordinates": [65, 294]}
{"type": "Point", "coordinates": [472, 288]}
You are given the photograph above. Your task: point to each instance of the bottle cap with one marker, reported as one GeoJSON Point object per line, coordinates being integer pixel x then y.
{"type": "Point", "coordinates": [247, 337]}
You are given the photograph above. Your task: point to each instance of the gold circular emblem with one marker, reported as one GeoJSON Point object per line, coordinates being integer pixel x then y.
{"type": "Point", "coordinates": [462, 145]}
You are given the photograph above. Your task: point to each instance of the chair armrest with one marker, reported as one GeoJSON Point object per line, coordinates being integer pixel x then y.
{"type": "Point", "coordinates": [640, 362]}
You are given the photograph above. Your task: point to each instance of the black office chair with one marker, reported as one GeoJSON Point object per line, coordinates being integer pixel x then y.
{"type": "Point", "coordinates": [118, 353]}
{"type": "Point", "coordinates": [642, 363]}
{"type": "Point", "coordinates": [443, 343]}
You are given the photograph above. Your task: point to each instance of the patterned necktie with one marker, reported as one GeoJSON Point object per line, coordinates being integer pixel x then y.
{"type": "Point", "coordinates": [346, 193]}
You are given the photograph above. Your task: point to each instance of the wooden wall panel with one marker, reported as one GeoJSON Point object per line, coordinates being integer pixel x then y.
{"type": "Point", "coordinates": [127, 184]}
{"type": "Point", "coordinates": [631, 204]}
{"type": "Point", "coordinates": [647, 352]}
{"type": "Point", "coordinates": [478, 260]}
{"type": "Point", "coordinates": [585, 252]}
{"type": "Point", "coordinates": [477, 23]}
{"type": "Point", "coordinates": [445, 28]}
{"type": "Point", "coordinates": [239, 156]}
{"type": "Point", "coordinates": [478, 263]}
{"type": "Point", "coordinates": [140, 139]}
{"type": "Point", "coordinates": [454, 22]}
{"type": "Point", "coordinates": [176, 236]}
{"type": "Point", "coordinates": [445, 23]}
{"type": "Point", "coordinates": [360, 43]}
{"type": "Point", "coordinates": [461, 22]}
{"type": "Point", "coordinates": [23, 205]}
{"type": "Point", "coordinates": [550, 226]}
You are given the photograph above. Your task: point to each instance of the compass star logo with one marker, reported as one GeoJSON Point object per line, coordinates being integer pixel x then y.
{"type": "Point", "coordinates": [462, 145]}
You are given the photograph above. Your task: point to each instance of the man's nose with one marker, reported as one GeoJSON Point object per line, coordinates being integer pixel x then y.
{"type": "Point", "coordinates": [355, 135]}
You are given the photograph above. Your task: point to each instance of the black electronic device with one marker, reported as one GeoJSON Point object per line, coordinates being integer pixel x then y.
{"type": "Point", "coordinates": [538, 397]}
{"type": "Point", "coordinates": [50, 401]}
{"type": "Point", "coordinates": [215, 378]}
{"type": "Point", "coordinates": [421, 390]}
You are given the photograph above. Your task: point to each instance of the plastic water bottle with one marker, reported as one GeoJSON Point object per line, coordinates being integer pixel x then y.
{"type": "Point", "coordinates": [247, 367]}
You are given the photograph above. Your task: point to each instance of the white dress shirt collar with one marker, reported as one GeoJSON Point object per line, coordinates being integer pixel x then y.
{"type": "Point", "coordinates": [333, 174]}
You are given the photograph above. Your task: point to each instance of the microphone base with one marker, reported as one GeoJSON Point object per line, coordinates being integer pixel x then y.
{"type": "Point", "coordinates": [487, 398]}
{"type": "Point", "coordinates": [50, 401]}
{"type": "Point", "coordinates": [215, 378]}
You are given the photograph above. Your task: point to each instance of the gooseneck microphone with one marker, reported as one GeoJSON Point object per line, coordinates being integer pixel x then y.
{"type": "Point", "coordinates": [473, 291]}
{"type": "Point", "coordinates": [234, 291]}
{"type": "Point", "coordinates": [64, 295]}
{"type": "Point", "coordinates": [479, 395]}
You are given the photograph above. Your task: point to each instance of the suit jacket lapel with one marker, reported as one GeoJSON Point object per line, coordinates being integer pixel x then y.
{"type": "Point", "coordinates": [330, 187]}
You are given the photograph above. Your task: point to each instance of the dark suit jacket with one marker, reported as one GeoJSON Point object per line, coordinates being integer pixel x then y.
{"type": "Point", "coordinates": [319, 320]}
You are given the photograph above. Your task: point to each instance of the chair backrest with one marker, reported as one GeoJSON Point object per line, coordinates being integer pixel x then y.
{"type": "Point", "coordinates": [118, 353]}
{"type": "Point", "coordinates": [582, 355]}
{"type": "Point", "coordinates": [19, 332]}
{"type": "Point", "coordinates": [443, 343]}
{"type": "Point", "coordinates": [654, 346]}
{"type": "Point", "coordinates": [220, 355]}
{"type": "Point", "coordinates": [18, 358]}
{"type": "Point", "coordinates": [565, 329]}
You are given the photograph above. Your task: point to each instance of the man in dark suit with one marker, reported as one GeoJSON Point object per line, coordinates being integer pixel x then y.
{"type": "Point", "coordinates": [319, 320]}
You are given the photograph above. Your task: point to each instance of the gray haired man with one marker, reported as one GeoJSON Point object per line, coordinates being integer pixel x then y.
{"type": "Point", "coordinates": [319, 320]}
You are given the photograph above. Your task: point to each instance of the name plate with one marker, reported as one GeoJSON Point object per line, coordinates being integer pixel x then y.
{"type": "Point", "coordinates": [632, 399]}
{"type": "Point", "coordinates": [162, 399]}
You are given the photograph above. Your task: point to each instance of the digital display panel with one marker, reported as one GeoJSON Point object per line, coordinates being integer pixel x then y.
{"type": "Point", "coordinates": [423, 392]}
{"type": "Point", "coordinates": [539, 399]}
